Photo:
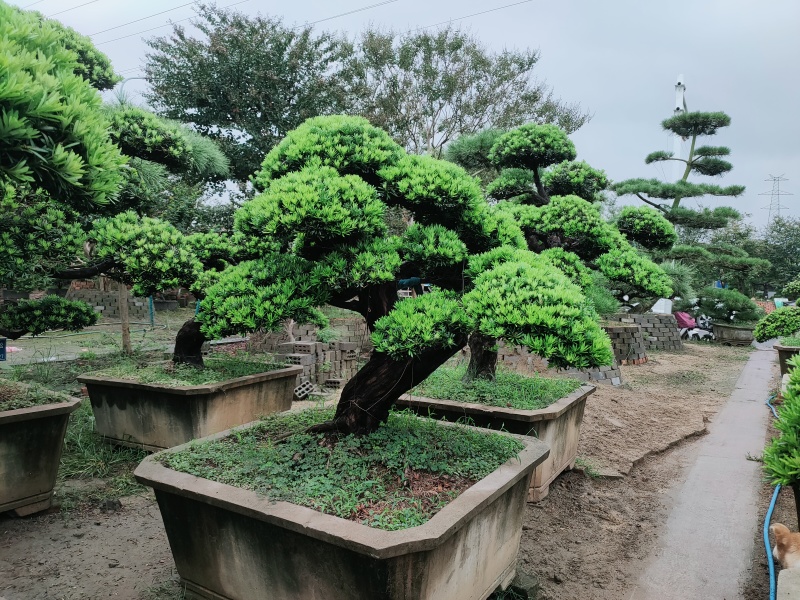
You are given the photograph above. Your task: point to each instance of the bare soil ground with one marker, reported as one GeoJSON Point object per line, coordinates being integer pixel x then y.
{"type": "Point", "coordinates": [585, 540]}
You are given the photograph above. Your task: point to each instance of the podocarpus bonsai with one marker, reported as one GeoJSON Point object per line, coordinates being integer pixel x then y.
{"type": "Point", "coordinates": [317, 233]}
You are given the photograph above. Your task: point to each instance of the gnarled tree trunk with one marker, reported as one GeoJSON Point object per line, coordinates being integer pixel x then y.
{"type": "Point", "coordinates": [482, 358]}
{"type": "Point", "coordinates": [189, 345]}
{"type": "Point", "coordinates": [368, 396]}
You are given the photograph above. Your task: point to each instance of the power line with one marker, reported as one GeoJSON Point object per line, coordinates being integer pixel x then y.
{"type": "Point", "coordinates": [145, 18]}
{"type": "Point", "coordinates": [61, 12]}
{"type": "Point", "coordinates": [32, 4]}
{"type": "Point", "coordinates": [363, 8]}
{"type": "Point", "coordinates": [483, 12]}
{"type": "Point", "coordinates": [158, 27]}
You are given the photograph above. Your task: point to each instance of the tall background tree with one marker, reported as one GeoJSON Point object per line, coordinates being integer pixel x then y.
{"type": "Point", "coordinates": [426, 88]}
{"type": "Point", "coordinates": [245, 81]}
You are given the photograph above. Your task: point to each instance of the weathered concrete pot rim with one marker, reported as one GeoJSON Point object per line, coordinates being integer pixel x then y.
{"type": "Point", "coordinates": [349, 535]}
{"type": "Point", "coordinates": [193, 390]}
{"type": "Point", "coordinates": [732, 326]}
{"type": "Point", "coordinates": [555, 410]}
{"type": "Point", "coordinates": [787, 348]}
{"type": "Point", "coordinates": [44, 410]}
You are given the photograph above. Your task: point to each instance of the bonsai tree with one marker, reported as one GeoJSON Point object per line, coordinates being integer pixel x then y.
{"type": "Point", "coordinates": [717, 261]}
{"type": "Point", "coordinates": [57, 162]}
{"type": "Point", "coordinates": [722, 305]}
{"type": "Point", "coordinates": [782, 454]}
{"type": "Point", "coordinates": [783, 322]}
{"type": "Point", "coordinates": [316, 235]}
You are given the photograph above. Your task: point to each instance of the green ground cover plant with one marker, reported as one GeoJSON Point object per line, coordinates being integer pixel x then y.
{"type": "Point", "coordinates": [178, 375]}
{"type": "Point", "coordinates": [507, 389]}
{"type": "Point", "coordinates": [14, 396]}
{"type": "Point", "coordinates": [790, 341]}
{"type": "Point", "coordinates": [396, 477]}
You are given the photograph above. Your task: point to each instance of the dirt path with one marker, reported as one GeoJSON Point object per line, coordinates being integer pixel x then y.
{"type": "Point", "coordinates": [583, 540]}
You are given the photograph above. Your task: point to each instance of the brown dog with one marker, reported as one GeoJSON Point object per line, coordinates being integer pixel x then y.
{"type": "Point", "coordinates": [787, 546]}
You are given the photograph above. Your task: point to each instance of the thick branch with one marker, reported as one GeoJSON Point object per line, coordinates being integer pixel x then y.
{"type": "Point", "coordinates": [651, 203]}
{"type": "Point", "coordinates": [86, 272]}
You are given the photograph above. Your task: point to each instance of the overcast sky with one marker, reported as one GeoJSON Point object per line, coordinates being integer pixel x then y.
{"type": "Point", "coordinates": [618, 58]}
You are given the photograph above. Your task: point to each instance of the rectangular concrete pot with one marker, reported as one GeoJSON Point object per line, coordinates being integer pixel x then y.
{"type": "Point", "coordinates": [31, 440]}
{"type": "Point", "coordinates": [154, 417]}
{"type": "Point", "coordinates": [234, 544]}
{"type": "Point", "coordinates": [784, 354]}
{"type": "Point", "coordinates": [733, 335]}
{"type": "Point", "coordinates": [558, 426]}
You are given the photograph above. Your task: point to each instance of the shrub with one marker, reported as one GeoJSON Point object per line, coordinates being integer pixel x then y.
{"type": "Point", "coordinates": [722, 305]}
{"type": "Point", "coordinates": [647, 227]}
{"type": "Point", "coordinates": [782, 322]}
{"type": "Point", "coordinates": [782, 454]}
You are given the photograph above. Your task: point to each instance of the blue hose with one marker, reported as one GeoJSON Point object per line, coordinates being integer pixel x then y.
{"type": "Point", "coordinates": [772, 584]}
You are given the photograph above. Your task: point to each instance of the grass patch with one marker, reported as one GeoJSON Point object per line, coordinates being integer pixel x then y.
{"type": "Point", "coordinates": [508, 389]}
{"type": "Point", "coordinates": [86, 456]}
{"type": "Point", "coordinates": [14, 396]}
{"type": "Point", "coordinates": [172, 375]}
{"type": "Point", "coordinates": [790, 341]}
{"type": "Point", "coordinates": [394, 478]}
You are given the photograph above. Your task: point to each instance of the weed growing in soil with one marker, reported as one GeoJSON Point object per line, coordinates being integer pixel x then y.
{"type": "Point", "coordinates": [394, 478]}
{"type": "Point", "coordinates": [790, 341]}
{"type": "Point", "coordinates": [169, 590]}
{"type": "Point", "coordinates": [508, 389]}
{"type": "Point", "coordinates": [587, 467]}
{"type": "Point", "coordinates": [14, 396]}
{"type": "Point", "coordinates": [169, 374]}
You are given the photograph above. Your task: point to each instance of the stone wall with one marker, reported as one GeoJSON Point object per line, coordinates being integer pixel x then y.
{"type": "Point", "coordinates": [107, 303]}
{"type": "Point", "coordinates": [521, 360]}
{"type": "Point", "coordinates": [628, 343]}
{"type": "Point", "coordinates": [660, 332]}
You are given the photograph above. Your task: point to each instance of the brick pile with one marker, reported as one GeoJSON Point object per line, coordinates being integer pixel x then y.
{"type": "Point", "coordinates": [660, 332]}
{"type": "Point", "coordinates": [107, 303]}
{"type": "Point", "coordinates": [520, 359]}
{"type": "Point", "coordinates": [329, 364]}
{"type": "Point", "coordinates": [628, 344]}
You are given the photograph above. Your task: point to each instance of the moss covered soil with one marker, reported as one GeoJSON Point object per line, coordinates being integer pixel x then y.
{"type": "Point", "coordinates": [395, 478]}
{"type": "Point", "coordinates": [14, 396]}
{"type": "Point", "coordinates": [508, 389]}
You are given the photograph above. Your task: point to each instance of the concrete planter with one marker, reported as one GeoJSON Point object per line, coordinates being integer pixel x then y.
{"type": "Point", "coordinates": [733, 335]}
{"type": "Point", "coordinates": [558, 426]}
{"type": "Point", "coordinates": [160, 305]}
{"type": "Point", "coordinates": [154, 417]}
{"type": "Point", "coordinates": [31, 440]}
{"type": "Point", "coordinates": [784, 354]}
{"type": "Point", "coordinates": [234, 544]}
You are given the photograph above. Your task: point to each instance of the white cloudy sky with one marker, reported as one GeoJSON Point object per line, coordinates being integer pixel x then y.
{"type": "Point", "coordinates": [618, 58]}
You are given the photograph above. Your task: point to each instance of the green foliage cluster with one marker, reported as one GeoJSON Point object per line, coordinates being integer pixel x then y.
{"type": "Point", "coordinates": [434, 320]}
{"type": "Point", "coordinates": [14, 396]}
{"type": "Point", "coordinates": [722, 305]}
{"type": "Point", "coordinates": [52, 134]}
{"type": "Point", "coordinates": [314, 211]}
{"type": "Point", "coordinates": [600, 296]}
{"type": "Point", "coordinates": [576, 178]}
{"type": "Point", "coordinates": [636, 272]}
{"type": "Point", "coordinates": [507, 389]}
{"type": "Point", "coordinates": [781, 322]}
{"type": "Point", "coordinates": [359, 478]}
{"type": "Point", "coordinates": [91, 64]}
{"type": "Point", "coordinates": [169, 374]}
{"type": "Point", "coordinates": [348, 144]}
{"type": "Point", "coordinates": [570, 264]}
{"type": "Point", "coordinates": [50, 312]}
{"type": "Point", "coordinates": [782, 454]}
{"type": "Point", "coordinates": [792, 289]}
{"type": "Point", "coordinates": [514, 185]}
{"type": "Point", "coordinates": [682, 276]}
{"type": "Point", "coordinates": [37, 237]}
{"type": "Point", "coordinates": [532, 147]}
{"type": "Point", "coordinates": [539, 308]}
{"type": "Point", "coordinates": [147, 253]}
{"type": "Point", "coordinates": [431, 248]}
{"type": "Point", "coordinates": [790, 341]}
{"type": "Point", "coordinates": [647, 227]}
{"type": "Point", "coordinates": [140, 133]}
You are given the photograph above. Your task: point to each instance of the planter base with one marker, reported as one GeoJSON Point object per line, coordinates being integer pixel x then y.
{"type": "Point", "coordinates": [558, 426]}
{"type": "Point", "coordinates": [29, 506]}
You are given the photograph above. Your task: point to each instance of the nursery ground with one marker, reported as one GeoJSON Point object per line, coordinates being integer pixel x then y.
{"type": "Point", "coordinates": [585, 540]}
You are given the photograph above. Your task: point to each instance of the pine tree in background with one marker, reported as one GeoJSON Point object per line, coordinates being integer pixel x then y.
{"type": "Point", "coordinates": [714, 261]}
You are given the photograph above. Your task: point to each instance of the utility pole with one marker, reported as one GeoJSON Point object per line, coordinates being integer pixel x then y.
{"type": "Point", "coordinates": [677, 141]}
{"type": "Point", "coordinates": [775, 194]}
